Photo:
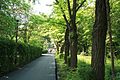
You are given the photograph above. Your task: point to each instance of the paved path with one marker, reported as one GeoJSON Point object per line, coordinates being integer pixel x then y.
{"type": "Point", "coordinates": [41, 69]}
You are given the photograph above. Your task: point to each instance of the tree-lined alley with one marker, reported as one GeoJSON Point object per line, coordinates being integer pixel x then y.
{"type": "Point", "coordinates": [75, 30]}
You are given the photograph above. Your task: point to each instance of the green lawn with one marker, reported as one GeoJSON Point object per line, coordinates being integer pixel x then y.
{"type": "Point", "coordinates": [84, 71]}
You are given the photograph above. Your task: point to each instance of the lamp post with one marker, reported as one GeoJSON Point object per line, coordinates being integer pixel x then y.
{"type": "Point", "coordinates": [17, 21]}
{"type": "Point", "coordinates": [25, 28]}
{"type": "Point", "coordinates": [17, 31]}
{"type": "Point", "coordinates": [16, 36]}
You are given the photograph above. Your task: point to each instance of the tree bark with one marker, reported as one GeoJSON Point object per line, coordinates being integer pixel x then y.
{"type": "Point", "coordinates": [62, 48]}
{"type": "Point", "coordinates": [73, 49]}
{"type": "Point", "coordinates": [98, 42]}
{"type": "Point", "coordinates": [73, 38]}
{"type": "Point", "coordinates": [67, 45]}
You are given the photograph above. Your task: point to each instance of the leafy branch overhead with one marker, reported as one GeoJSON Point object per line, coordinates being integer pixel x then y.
{"type": "Point", "coordinates": [76, 31]}
{"type": "Point", "coordinates": [69, 10]}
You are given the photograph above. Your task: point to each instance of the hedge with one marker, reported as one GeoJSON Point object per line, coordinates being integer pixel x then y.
{"type": "Point", "coordinates": [14, 55]}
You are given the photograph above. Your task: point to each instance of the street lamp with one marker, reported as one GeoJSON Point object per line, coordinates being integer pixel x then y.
{"type": "Point", "coordinates": [25, 21]}
{"type": "Point", "coordinates": [17, 20]}
{"type": "Point", "coordinates": [16, 52]}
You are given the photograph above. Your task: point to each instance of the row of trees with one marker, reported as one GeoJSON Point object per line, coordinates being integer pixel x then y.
{"type": "Point", "coordinates": [19, 43]}
{"type": "Point", "coordinates": [13, 14]}
{"type": "Point", "coordinates": [80, 22]}
{"type": "Point", "coordinates": [71, 26]}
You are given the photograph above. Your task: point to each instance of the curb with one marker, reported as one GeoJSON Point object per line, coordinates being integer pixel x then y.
{"type": "Point", "coordinates": [56, 76]}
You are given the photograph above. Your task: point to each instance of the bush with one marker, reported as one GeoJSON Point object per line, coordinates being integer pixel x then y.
{"type": "Point", "coordinates": [14, 55]}
{"type": "Point", "coordinates": [85, 71]}
{"type": "Point", "coordinates": [45, 51]}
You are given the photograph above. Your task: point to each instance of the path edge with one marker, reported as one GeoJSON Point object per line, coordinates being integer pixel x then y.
{"type": "Point", "coordinates": [56, 74]}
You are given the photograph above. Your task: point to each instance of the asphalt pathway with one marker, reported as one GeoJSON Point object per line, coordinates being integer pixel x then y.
{"type": "Point", "coordinates": [42, 68]}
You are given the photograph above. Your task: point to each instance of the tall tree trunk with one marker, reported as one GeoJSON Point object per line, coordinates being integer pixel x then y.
{"type": "Point", "coordinates": [67, 45]}
{"type": "Point", "coordinates": [73, 49]}
{"type": "Point", "coordinates": [62, 48]}
{"type": "Point", "coordinates": [16, 31]}
{"type": "Point", "coordinates": [110, 39]}
{"type": "Point", "coordinates": [73, 38]}
{"type": "Point", "coordinates": [98, 42]}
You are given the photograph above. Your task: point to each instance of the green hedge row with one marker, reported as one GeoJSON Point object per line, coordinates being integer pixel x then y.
{"type": "Point", "coordinates": [14, 55]}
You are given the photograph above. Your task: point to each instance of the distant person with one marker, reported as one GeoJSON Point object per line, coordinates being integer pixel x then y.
{"type": "Point", "coordinates": [50, 50]}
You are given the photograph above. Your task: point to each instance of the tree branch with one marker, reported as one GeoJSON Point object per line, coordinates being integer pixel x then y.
{"type": "Point", "coordinates": [57, 1]}
{"type": "Point", "coordinates": [65, 18]}
{"type": "Point", "coordinates": [68, 24]}
{"type": "Point", "coordinates": [69, 9]}
{"type": "Point", "coordinates": [80, 5]}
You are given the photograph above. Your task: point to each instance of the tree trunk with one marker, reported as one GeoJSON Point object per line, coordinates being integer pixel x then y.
{"type": "Point", "coordinates": [67, 45]}
{"type": "Point", "coordinates": [110, 39]}
{"type": "Point", "coordinates": [57, 47]}
{"type": "Point", "coordinates": [17, 31]}
{"type": "Point", "coordinates": [73, 38]}
{"type": "Point", "coordinates": [73, 49]}
{"type": "Point", "coordinates": [98, 42]}
{"type": "Point", "coordinates": [62, 48]}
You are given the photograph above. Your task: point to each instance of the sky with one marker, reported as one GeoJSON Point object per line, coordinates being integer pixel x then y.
{"type": "Point", "coordinates": [41, 6]}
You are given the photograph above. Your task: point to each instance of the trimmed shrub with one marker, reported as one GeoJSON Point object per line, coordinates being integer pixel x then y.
{"type": "Point", "coordinates": [14, 55]}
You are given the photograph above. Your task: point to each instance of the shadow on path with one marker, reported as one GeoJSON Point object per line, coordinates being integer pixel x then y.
{"type": "Point", "coordinates": [42, 68]}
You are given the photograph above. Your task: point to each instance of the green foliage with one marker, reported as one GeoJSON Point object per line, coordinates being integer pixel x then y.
{"type": "Point", "coordinates": [7, 25]}
{"type": "Point", "coordinates": [118, 76]}
{"type": "Point", "coordinates": [46, 29]}
{"type": "Point", "coordinates": [62, 68]}
{"type": "Point", "coordinates": [44, 51]}
{"type": "Point", "coordinates": [43, 29]}
{"type": "Point", "coordinates": [85, 20]}
{"type": "Point", "coordinates": [107, 72]}
{"type": "Point", "coordinates": [115, 24]}
{"type": "Point", "coordinates": [14, 55]}
{"type": "Point", "coordinates": [108, 69]}
{"type": "Point", "coordinates": [84, 70]}
{"type": "Point", "coordinates": [9, 10]}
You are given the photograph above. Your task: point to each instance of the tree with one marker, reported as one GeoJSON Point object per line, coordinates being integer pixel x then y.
{"type": "Point", "coordinates": [72, 27]}
{"type": "Point", "coordinates": [115, 22]}
{"type": "Point", "coordinates": [98, 40]}
{"type": "Point", "coordinates": [11, 9]}
{"type": "Point", "coordinates": [110, 39]}
{"type": "Point", "coordinates": [67, 46]}
{"type": "Point", "coordinates": [85, 21]}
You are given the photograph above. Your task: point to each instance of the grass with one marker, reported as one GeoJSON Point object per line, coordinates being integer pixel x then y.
{"type": "Point", "coordinates": [84, 71]}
